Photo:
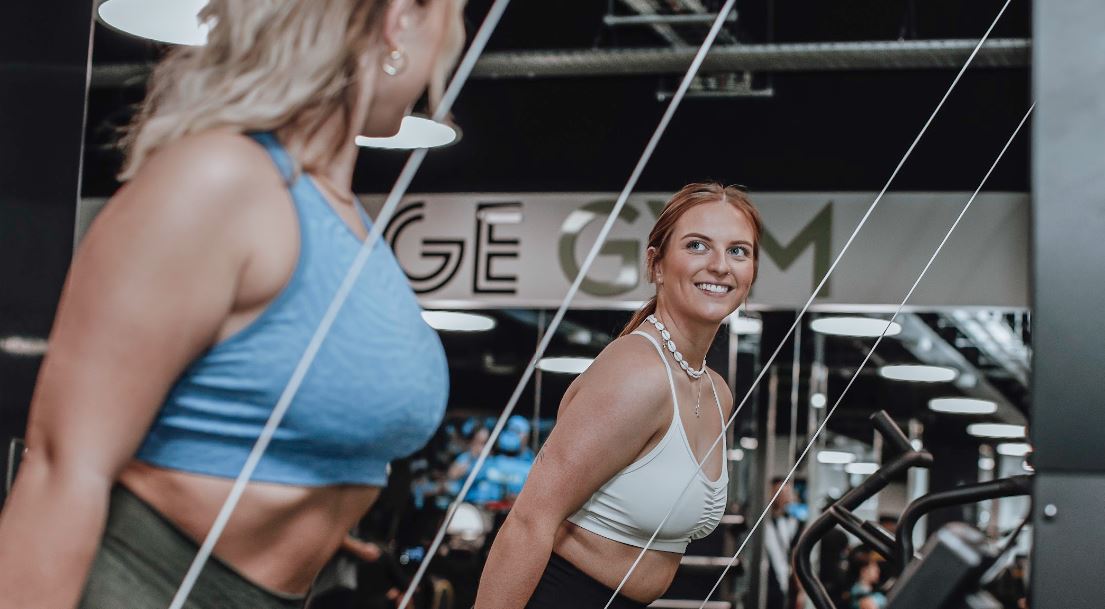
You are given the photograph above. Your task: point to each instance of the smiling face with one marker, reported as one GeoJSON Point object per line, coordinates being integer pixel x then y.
{"type": "Point", "coordinates": [706, 265]}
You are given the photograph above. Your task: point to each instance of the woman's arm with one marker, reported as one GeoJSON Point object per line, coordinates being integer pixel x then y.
{"type": "Point", "coordinates": [608, 416]}
{"type": "Point", "coordinates": [148, 290]}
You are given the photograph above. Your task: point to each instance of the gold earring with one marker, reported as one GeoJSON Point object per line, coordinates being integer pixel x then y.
{"type": "Point", "coordinates": [394, 62]}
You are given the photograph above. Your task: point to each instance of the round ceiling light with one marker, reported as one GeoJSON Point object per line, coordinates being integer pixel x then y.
{"type": "Point", "coordinates": [835, 457]}
{"type": "Point", "coordinates": [861, 468]}
{"type": "Point", "coordinates": [170, 21]}
{"type": "Point", "coordinates": [414, 132]}
{"type": "Point", "coordinates": [818, 400]}
{"type": "Point", "coordinates": [962, 406]}
{"type": "Point", "coordinates": [564, 365]}
{"type": "Point", "coordinates": [23, 345]}
{"type": "Point", "coordinates": [996, 430]}
{"type": "Point", "coordinates": [918, 373]}
{"type": "Point", "coordinates": [454, 321]}
{"type": "Point", "coordinates": [1014, 449]}
{"type": "Point", "coordinates": [862, 327]}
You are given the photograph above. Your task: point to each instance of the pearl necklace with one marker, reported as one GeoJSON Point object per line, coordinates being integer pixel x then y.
{"type": "Point", "coordinates": [695, 374]}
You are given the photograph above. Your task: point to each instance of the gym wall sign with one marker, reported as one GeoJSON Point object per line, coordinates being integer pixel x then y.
{"type": "Point", "coordinates": [522, 250]}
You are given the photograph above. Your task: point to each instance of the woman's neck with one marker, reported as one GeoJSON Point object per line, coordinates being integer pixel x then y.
{"type": "Point", "coordinates": [337, 171]}
{"type": "Point", "coordinates": [319, 143]}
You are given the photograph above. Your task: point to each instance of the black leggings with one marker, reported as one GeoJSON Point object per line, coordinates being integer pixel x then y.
{"type": "Point", "coordinates": [563, 586]}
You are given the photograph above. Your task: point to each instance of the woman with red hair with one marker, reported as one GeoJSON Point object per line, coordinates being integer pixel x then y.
{"type": "Point", "coordinates": [635, 448]}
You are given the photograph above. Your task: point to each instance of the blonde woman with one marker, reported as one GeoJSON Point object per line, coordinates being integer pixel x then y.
{"type": "Point", "coordinates": [192, 298]}
{"type": "Point", "coordinates": [634, 428]}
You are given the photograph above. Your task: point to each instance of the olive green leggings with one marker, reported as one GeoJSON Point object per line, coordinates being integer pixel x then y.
{"type": "Point", "coordinates": [142, 560]}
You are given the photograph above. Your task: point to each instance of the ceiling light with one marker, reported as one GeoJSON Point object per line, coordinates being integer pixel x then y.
{"type": "Point", "coordinates": [414, 132]}
{"type": "Point", "coordinates": [818, 400]}
{"type": "Point", "coordinates": [736, 454]}
{"type": "Point", "coordinates": [966, 380]}
{"type": "Point", "coordinates": [920, 374]}
{"type": "Point", "coordinates": [862, 327]}
{"type": "Point", "coordinates": [564, 365]}
{"type": "Point", "coordinates": [23, 345]}
{"type": "Point", "coordinates": [861, 468]}
{"type": "Point", "coordinates": [1014, 449]}
{"type": "Point", "coordinates": [741, 325]}
{"type": "Point", "coordinates": [171, 21]}
{"type": "Point", "coordinates": [454, 321]}
{"type": "Point", "coordinates": [835, 457]}
{"type": "Point", "coordinates": [749, 443]}
{"type": "Point", "coordinates": [986, 464]}
{"type": "Point", "coordinates": [996, 430]}
{"type": "Point", "coordinates": [962, 406]}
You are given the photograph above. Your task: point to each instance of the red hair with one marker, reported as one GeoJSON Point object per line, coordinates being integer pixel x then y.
{"type": "Point", "coordinates": [693, 195]}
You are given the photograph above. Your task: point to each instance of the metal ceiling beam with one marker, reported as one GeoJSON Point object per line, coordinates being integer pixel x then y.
{"type": "Point", "coordinates": [665, 31]}
{"type": "Point", "coordinates": [691, 19]}
{"type": "Point", "coordinates": [909, 54]}
{"type": "Point", "coordinates": [800, 57]}
{"type": "Point", "coordinates": [931, 348]}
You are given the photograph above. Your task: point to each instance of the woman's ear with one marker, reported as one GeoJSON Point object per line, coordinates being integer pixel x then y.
{"type": "Point", "coordinates": [397, 19]}
{"type": "Point", "coordinates": [652, 266]}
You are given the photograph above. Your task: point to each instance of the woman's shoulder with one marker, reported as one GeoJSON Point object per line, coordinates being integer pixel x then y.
{"type": "Point", "coordinates": [213, 161]}
{"type": "Point", "coordinates": [629, 368]}
{"type": "Point", "coordinates": [626, 384]}
{"type": "Point", "coordinates": [218, 177]}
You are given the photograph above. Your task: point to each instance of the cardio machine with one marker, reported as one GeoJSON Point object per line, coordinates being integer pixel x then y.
{"type": "Point", "coordinates": [955, 562]}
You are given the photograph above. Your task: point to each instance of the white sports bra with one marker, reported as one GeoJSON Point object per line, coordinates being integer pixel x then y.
{"type": "Point", "coordinates": [630, 506]}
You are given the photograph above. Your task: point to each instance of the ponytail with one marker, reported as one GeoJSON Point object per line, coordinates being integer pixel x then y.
{"type": "Point", "coordinates": [639, 317]}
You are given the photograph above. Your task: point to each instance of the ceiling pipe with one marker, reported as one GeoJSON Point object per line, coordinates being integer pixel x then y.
{"type": "Point", "coordinates": [791, 57]}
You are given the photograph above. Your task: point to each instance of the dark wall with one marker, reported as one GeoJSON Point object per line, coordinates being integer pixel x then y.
{"type": "Point", "coordinates": [44, 55]}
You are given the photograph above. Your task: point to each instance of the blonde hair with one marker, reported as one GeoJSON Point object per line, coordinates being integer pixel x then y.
{"type": "Point", "coordinates": [268, 64]}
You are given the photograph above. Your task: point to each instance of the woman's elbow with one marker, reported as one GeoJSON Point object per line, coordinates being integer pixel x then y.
{"type": "Point", "coordinates": [532, 524]}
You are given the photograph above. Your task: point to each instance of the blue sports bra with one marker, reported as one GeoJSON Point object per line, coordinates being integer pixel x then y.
{"type": "Point", "coordinates": [375, 392]}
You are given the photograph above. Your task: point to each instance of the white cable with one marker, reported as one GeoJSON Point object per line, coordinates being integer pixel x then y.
{"type": "Point", "coordinates": [479, 41]}
{"type": "Point", "coordinates": [816, 291]}
{"type": "Point", "coordinates": [855, 375]}
{"type": "Point", "coordinates": [580, 276]}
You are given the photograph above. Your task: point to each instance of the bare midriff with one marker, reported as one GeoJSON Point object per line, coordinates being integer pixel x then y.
{"type": "Point", "coordinates": [279, 536]}
{"type": "Point", "coordinates": [608, 561]}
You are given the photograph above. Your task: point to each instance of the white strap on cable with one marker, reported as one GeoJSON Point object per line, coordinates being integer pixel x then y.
{"type": "Point", "coordinates": [580, 276]}
{"type": "Point", "coordinates": [870, 353]}
{"type": "Point", "coordinates": [809, 302]}
{"type": "Point", "coordinates": [479, 41]}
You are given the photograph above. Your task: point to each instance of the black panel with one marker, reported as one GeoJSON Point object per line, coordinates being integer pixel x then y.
{"type": "Point", "coordinates": [1068, 225]}
{"type": "Point", "coordinates": [44, 54]}
{"type": "Point", "coordinates": [1066, 558]}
